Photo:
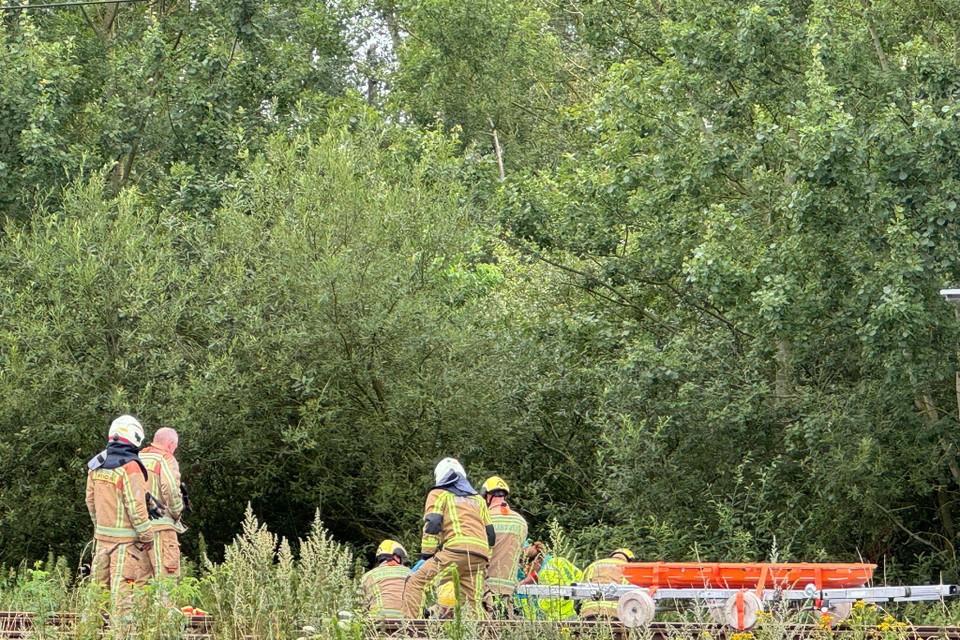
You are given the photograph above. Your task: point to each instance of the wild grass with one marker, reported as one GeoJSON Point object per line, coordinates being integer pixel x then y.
{"type": "Point", "coordinates": [42, 587]}
{"type": "Point", "coordinates": [262, 590]}
{"type": "Point", "coordinates": [269, 589]}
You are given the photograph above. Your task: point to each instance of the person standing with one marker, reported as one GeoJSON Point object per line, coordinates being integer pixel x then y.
{"type": "Point", "coordinates": [511, 530]}
{"type": "Point", "coordinates": [605, 571]}
{"type": "Point", "coordinates": [116, 499]}
{"type": "Point", "coordinates": [165, 488]}
{"type": "Point", "coordinates": [381, 588]}
{"type": "Point", "coordinates": [457, 538]}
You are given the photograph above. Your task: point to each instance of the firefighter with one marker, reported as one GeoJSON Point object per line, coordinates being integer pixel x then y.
{"type": "Point", "coordinates": [165, 488]}
{"type": "Point", "coordinates": [381, 588]}
{"type": "Point", "coordinates": [545, 569]}
{"type": "Point", "coordinates": [116, 499]}
{"type": "Point", "coordinates": [457, 538]}
{"type": "Point", "coordinates": [511, 530]}
{"type": "Point", "coordinates": [605, 571]}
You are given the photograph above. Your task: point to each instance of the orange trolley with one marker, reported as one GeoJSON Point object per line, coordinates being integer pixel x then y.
{"type": "Point", "coordinates": [752, 575]}
{"type": "Point", "coordinates": [734, 593]}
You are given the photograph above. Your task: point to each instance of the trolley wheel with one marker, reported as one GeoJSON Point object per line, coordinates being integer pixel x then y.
{"type": "Point", "coordinates": [740, 610]}
{"type": "Point", "coordinates": [839, 611]}
{"type": "Point", "coordinates": [636, 609]}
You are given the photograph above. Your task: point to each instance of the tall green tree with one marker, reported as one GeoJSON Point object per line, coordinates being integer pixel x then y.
{"type": "Point", "coordinates": [762, 219]}
{"type": "Point", "coordinates": [134, 90]}
{"type": "Point", "coordinates": [492, 69]}
{"type": "Point", "coordinates": [322, 324]}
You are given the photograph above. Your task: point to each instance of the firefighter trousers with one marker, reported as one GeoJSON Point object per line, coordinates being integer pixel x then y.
{"type": "Point", "coordinates": [468, 570]}
{"type": "Point", "coordinates": [166, 554]}
{"type": "Point", "coordinates": [121, 566]}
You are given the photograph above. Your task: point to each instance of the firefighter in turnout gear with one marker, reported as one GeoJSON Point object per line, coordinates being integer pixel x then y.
{"type": "Point", "coordinates": [511, 530]}
{"type": "Point", "coordinates": [116, 499]}
{"type": "Point", "coordinates": [381, 588]}
{"type": "Point", "coordinates": [605, 571]}
{"type": "Point", "coordinates": [165, 487]}
{"type": "Point", "coordinates": [457, 538]}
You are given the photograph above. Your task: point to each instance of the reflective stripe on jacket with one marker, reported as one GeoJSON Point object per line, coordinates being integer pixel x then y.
{"type": "Point", "coordinates": [604, 571]}
{"type": "Point", "coordinates": [511, 530]}
{"type": "Point", "coordinates": [381, 589]}
{"type": "Point", "coordinates": [165, 487]}
{"type": "Point", "coordinates": [116, 500]}
{"type": "Point", "coordinates": [463, 524]}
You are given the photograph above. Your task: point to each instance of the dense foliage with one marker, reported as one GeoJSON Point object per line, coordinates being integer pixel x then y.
{"type": "Point", "coordinates": [669, 268]}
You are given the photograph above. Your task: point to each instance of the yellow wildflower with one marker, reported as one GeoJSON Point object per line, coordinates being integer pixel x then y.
{"type": "Point", "coordinates": [889, 623]}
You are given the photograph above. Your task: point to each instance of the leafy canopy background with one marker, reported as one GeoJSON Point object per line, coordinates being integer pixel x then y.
{"type": "Point", "coordinates": [697, 315]}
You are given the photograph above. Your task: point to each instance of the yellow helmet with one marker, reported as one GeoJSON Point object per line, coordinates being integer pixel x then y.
{"type": "Point", "coordinates": [494, 483]}
{"type": "Point", "coordinates": [446, 595]}
{"type": "Point", "coordinates": [392, 548]}
{"type": "Point", "coordinates": [626, 553]}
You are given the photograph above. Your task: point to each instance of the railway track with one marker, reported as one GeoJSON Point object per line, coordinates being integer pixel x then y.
{"type": "Point", "coordinates": [23, 625]}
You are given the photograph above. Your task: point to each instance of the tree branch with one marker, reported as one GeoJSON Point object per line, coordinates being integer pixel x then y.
{"type": "Point", "coordinates": [912, 535]}
{"type": "Point", "coordinates": [623, 299]}
{"type": "Point", "coordinates": [881, 56]}
{"type": "Point", "coordinates": [497, 149]}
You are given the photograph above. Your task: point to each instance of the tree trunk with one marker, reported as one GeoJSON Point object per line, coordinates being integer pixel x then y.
{"type": "Point", "coordinates": [783, 383]}
{"type": "Point", "coordinates": [931, 416]}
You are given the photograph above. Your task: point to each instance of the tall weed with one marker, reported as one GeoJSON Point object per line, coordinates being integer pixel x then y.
{"type": "Point", "coordinates": [324, 582]}
{"type": "Point", "coordinates": [261, 589]}
{"type": "Point", "coordinates": [243, 593]}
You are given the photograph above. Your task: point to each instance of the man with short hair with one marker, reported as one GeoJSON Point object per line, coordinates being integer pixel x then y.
{"type": "Point", "coordinates": [165, 489]}
{"type": "Point", "coordinates": [116, 499]}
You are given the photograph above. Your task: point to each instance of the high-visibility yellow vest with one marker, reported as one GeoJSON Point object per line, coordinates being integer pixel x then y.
{"type": "Point", "coordinates": [554, 572]}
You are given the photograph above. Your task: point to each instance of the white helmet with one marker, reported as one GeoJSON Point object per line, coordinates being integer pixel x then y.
{"type": "Point", "coordinates": [127, 427]}
{"type": "Point", "coordinates": [445, 467]}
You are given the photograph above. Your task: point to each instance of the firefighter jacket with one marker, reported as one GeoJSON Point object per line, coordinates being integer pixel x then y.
{"type": "Point", "coordinates": [604, 571]}
{"type": "Point", "coordinates": [456, 523]}
{"type": "Point", "coordinates": [381, 589]}
{"type": "Point", "coordinates": [165, 487]}
{"type": "Point", "coordinates": [511, 529]}
{"type": "Point", "coordinates": [116, 500]}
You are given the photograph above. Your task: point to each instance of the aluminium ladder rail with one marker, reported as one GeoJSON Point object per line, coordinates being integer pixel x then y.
{"type": "Point", "coordinates": [588, 591]}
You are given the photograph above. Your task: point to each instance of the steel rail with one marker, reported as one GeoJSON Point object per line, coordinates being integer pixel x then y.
{"type": "Point", "coordinates": [17, 625]}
